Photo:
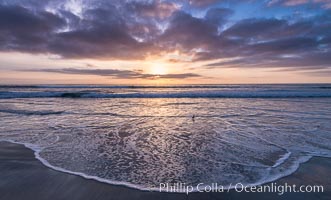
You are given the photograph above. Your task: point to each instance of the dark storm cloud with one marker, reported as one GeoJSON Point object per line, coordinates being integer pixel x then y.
{"type": "Point", "coordinates": [257, 28]}
{"type": "Point", "coordinates": [100, 32]}
{"type": "Point", "coordinates": [136, 29]}
{"type": "Point", "coordinates": [285, 46]}
{"type": "Point", "coordinates": [116, 73]}
{"type": "Point", "coordinates": [103, 33]}
{"type": "Point", "coordinates": [268, 29]}
{"type": "Point", "coordinates": [189, 32]}
{"type": "Point", "coordinates": [275, 43]}
{"type": "Point", "coordinates": [18, 18]}
{"type": "Point", "coordinates": [27, 3]}
{"type": "Point", "coordinates": [26, 30]}
{"type": "Point", "coordinates": [306, 61]}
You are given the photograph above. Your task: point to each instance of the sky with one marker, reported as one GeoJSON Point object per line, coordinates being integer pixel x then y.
{"type": "Point", "coordinates": [165, 41]}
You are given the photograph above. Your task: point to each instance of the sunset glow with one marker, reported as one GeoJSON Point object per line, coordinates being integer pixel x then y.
{"type": "Point", "coordinates": [158, 69]}
{"type": "Point", "coordinates": [165, 99]}
{"type": "Point", "coordinates": [164, 42]}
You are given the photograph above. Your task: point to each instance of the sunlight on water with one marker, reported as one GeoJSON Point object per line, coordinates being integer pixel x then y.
{"type": "Point", "coordinates": [145, 141]}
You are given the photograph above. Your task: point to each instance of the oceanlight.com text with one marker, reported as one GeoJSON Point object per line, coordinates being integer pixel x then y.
{"type": "Point", "coordinates": [239, 187]}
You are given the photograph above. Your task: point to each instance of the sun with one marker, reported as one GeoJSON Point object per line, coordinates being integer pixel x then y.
{"type": "Point", "coordinates": [158, 69]}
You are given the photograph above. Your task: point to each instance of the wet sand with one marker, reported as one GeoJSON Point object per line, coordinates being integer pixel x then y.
{"type": "Point", "coordinates": [23, 177]}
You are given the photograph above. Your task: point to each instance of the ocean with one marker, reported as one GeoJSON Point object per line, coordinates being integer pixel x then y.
{"type": "Point", "coordinates": [141, 136]}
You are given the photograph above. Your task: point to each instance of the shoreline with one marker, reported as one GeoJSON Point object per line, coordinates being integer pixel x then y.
{"type": "Point", "coordinates": [36, 151]}
{"type": "Point", "coordinates": [12, 155]}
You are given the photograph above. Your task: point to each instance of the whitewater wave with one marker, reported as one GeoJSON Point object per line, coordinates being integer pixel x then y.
{"type": "Point", "coordinates": [273, 177]}
{"type": "Point", "coordinates": [182, 94]}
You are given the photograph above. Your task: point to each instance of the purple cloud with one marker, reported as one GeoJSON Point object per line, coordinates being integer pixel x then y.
{"type": "Point", "coordinates": [136, 29]}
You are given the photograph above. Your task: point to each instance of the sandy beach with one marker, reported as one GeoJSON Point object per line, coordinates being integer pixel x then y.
{"type": "Point", "coordinates": [22, 176]}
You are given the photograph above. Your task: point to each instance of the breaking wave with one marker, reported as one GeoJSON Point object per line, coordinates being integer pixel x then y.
{"type": "Point", "coordinates": [182, 94]}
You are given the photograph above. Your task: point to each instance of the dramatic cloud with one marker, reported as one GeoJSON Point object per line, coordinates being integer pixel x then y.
{"type": "Point", "coordinates": [104, 33]}
{"type": "Point", "coordinates": [189, 33]}
{"type": "Point", "coordinates": [140, 29]}
{"type": "Point", "coordinates": [25, 30]}
{"type": "Point", "coordinates": [121, 74]}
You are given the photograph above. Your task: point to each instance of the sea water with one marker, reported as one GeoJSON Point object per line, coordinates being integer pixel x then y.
{"type": "Point", "coordinates": [142, 136]}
